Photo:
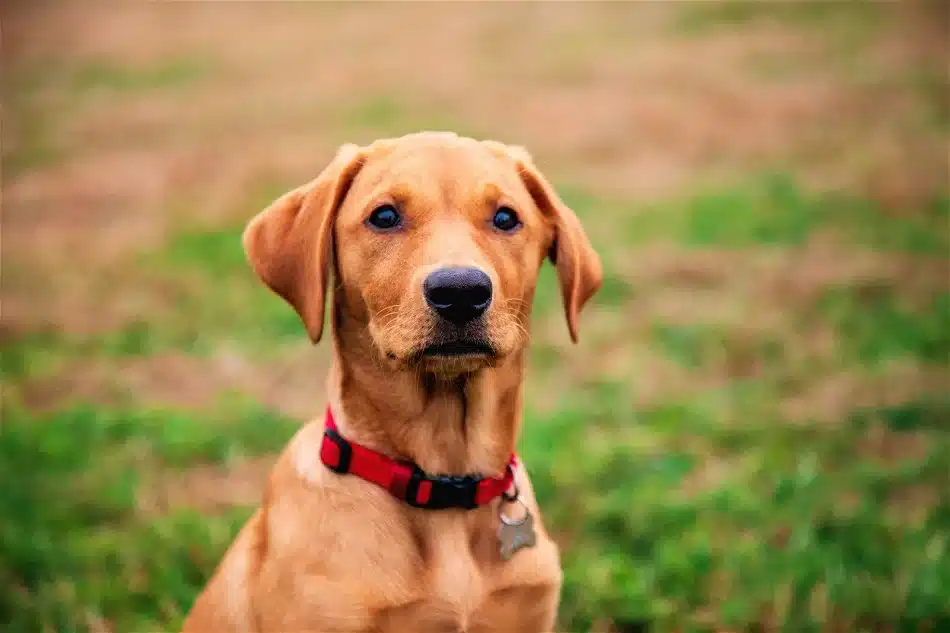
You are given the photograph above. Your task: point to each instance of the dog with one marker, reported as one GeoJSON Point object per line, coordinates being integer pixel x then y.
{"type": "Point", "coordinates": [405, 509]}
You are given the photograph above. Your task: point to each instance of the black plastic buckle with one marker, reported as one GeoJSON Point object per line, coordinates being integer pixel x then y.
{"type": "Point", "coordinates": [346, 451]}
{"type": "Point", "coordinates": [448, 491]}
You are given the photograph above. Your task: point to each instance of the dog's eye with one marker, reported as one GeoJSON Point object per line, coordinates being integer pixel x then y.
{"type": "Point", "coordinates": [384, 217]}
{"type": "Point", "coordinates": [506, 219]}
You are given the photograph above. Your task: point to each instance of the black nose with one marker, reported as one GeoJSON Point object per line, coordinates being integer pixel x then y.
{"type": "Point", "coordinates": [459, 295]}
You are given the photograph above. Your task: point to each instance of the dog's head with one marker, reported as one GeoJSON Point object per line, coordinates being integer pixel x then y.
{"type": "Point", "coordinates": [435, 240]}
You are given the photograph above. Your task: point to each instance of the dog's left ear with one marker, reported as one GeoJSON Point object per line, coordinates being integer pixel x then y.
{"type": "Point", "coordinates": [289, 243]}
{"type": "Point", "coordinates": [578, 265]}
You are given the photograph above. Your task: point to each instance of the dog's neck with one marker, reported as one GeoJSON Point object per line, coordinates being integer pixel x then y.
{"type": "Point", "coordinates": [457, 425]}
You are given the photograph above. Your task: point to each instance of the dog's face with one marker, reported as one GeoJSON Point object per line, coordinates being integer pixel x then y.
{"type": "Point", "coordinates": [437, 241]}
{"type": "Point", "coordinates": [438, 245]}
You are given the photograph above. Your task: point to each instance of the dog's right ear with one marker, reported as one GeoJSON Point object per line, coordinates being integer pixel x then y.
{"type": "Point", "coordinates": [289, 243]}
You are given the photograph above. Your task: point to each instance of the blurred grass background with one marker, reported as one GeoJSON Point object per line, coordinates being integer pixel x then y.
{"type": "Point", "coordinates": [754, 432]}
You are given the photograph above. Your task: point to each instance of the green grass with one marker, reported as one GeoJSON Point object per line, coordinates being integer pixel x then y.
{"type": "Point", "coordinates": [874, 325]}
{"type": "Point", "coordinates": [775, 210]}
{"type": "Point", "coordinates": [105, 75]}
{"type": "Point", "coordinates": [33, 143]}
{"type": "Point", "coordinates": [856, 17]}
{"type": "Point", "coordinates": [765, 209]}
{"type": "Point", "coordinates": [75, 545]}
{"type": "Point", "coordinates": [35, 149]}
{"type": "Point", "coordinates": [31, 355]}
{"type": "Point", "coordinates": [799, 520]}
{"type": "Point", "coordinates": [696, 346]}
{"type": "Point", "coordinates": [222, 298]}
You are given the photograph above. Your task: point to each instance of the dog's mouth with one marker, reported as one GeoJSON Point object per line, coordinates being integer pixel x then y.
{"type": "Point", "coordinates": [454, 349]}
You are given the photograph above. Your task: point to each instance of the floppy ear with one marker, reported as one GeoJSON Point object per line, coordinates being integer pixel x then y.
{"type": "Point", "coordinates": [578, 265]}
{"type": "Point", "coordinates": [289, 243]}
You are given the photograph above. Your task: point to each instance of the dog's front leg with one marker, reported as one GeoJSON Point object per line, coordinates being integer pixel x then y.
{"type": "Point", "coordinates": [224, 606]}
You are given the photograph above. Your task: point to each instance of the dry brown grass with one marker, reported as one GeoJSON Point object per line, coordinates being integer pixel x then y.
{"type": "Point", "coordinates": [207, 488]}
{"type": "Point", "coordinates": [291, 384]}
{"type": "Point", "coordinates": [636, 112]}
{"type": "Point", "coordinates": [612, 98]}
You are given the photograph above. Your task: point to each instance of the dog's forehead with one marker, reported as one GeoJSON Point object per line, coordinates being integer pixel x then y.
{"type": "Point", "coordinates": [446, 164]}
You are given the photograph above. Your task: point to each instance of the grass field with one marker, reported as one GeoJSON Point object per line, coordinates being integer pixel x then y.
{"type": "Point", "coordinates": [753, 434]}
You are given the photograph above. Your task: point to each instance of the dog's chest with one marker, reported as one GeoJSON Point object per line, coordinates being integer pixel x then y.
{"type": "Point", "coordinates": [447, 588]}
{"type": "Point", "coordinates": [385, 576]}
{"type": "Point", "coordinates": [460, 592]}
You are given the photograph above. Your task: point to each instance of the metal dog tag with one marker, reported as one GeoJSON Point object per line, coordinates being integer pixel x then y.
{"type": "Point", "coordinates": [514, 534]}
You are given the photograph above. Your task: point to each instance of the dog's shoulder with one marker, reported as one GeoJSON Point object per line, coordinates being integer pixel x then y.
{"type": "Point", "coordinates": [326, 537]}
{"type": "Point", "coordinates": [316, 515]}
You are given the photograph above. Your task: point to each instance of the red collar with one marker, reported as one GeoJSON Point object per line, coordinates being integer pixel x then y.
{"type": "Point", "coordinates": [406, 481]}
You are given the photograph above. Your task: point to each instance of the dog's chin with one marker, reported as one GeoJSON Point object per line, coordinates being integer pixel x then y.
{"type": "Point", "coordinates": [456, 357]}
{"type": "Point", "coordinates": [450, 358]}
{"type": "Point", "coordinates": [450, 366]}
